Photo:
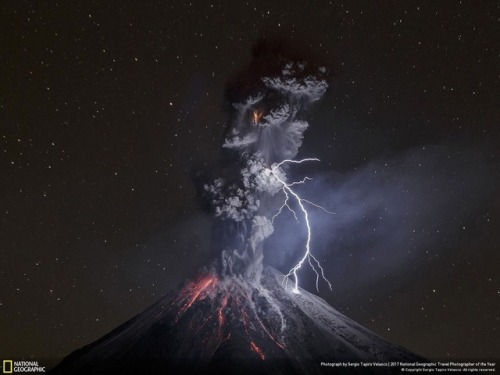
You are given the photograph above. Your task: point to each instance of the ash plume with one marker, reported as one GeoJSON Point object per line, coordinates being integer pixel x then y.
{"type": "Point", "coordinates": [268, 106]}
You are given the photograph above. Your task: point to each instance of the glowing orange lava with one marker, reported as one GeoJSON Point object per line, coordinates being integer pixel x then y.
{"type": "Point", "coordinates": [222, 318]}
{"type": "Point", "coordinates": [244, 316]}
{"type": "Point", "coordinates": [224, 303]}
{"type": "Point", "coordinates": [257, 350]}
{"type": "Point", "coordinates": [195, 291]}
{"type": "Point", "coordinates": [282, 346]}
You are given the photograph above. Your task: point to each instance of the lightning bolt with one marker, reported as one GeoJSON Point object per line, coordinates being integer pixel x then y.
{"type": "Point", "coordinates": [289, 192]}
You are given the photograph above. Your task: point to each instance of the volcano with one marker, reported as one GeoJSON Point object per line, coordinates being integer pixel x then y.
{"type": "Point", "coordinates": [228, 325]}
{"type": "Point", "coordinates": [241, 316]}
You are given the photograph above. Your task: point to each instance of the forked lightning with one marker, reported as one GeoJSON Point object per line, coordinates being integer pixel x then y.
{"type": "Point", "coordinates": [289, 192]}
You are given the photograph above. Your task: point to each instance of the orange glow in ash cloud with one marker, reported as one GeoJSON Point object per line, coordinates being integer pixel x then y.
{"type": "Point", "coordinates": [256, 116]}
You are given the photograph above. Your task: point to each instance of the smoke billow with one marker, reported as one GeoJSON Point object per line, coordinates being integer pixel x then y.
{"type": "Point", "coordinates": [268, 108]}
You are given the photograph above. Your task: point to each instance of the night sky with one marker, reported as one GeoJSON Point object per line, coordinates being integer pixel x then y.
{"type": "Point", "coordinates": [109, 111]}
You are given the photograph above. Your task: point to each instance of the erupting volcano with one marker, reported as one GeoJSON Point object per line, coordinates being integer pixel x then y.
{"type": "Point", "coordinates": [228, 325]}
{"type": "Point", "coordinates": [240, 315]}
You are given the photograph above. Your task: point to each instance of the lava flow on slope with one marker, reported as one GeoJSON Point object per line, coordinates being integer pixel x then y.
{"type": "Point", "coordinates": [227, 325]}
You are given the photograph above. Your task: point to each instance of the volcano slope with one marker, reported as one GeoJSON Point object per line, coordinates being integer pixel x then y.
{"type": "Point", "coordinates": [228, 325]}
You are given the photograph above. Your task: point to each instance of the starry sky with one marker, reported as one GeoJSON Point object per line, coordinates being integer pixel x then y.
{"type": "Point", "coordinates": [108, 111]}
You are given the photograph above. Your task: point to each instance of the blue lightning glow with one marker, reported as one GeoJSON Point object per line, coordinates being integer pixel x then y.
{"type": "Point", "coordinates": [289, 192]}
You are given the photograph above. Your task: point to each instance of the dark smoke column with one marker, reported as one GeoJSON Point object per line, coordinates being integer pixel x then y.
{"type": "Point", "coordinates": [268, 103]}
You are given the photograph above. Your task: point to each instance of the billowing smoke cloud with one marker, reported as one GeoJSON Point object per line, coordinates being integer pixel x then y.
{"type": "Point", "coordinates": [267, 126]}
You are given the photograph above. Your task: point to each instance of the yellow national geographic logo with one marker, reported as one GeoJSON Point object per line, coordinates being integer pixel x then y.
{"type": "Point", "coordinates": [7, 366]}
{"type": "Point", "coordinates": [14, 367]}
